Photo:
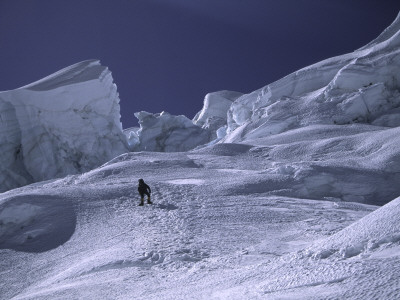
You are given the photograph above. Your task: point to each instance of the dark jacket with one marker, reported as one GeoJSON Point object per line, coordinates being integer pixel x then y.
{"type": "Point", "coordinates": [143, 187]}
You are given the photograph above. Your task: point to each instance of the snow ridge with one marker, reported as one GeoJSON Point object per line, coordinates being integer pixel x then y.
{"type": "Point", "coordinates": [387, 34]}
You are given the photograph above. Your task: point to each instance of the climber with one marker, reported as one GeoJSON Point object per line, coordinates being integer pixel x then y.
{"type": "Point", "coordinates": [144, 189]}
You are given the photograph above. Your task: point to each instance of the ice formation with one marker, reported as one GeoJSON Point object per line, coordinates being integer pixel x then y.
{"type": "Point", "coordinates": [213, 115]}
{"type": "Point", "coordinates": [362, 86]}
{"type": "Point", "coordinates": [66, 123]}
{"type": "Point", "coordinates": [166, 133]}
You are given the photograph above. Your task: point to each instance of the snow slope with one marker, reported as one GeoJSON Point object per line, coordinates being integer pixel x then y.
{"type": "Point", "coordinates": [66, 123]}
{"type": "Point", "coordinates": [218, 229]}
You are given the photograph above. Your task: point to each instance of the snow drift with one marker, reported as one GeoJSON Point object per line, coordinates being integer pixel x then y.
{"type": "Point", "coordinates": [66, 123]}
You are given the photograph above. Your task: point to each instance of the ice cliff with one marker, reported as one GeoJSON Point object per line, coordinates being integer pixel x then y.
{"type": "Point", "coordinates": [66, 123]}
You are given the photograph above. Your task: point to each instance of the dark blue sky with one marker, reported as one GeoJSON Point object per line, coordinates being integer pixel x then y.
{"type": "Point", "coordinates": [167, 54]}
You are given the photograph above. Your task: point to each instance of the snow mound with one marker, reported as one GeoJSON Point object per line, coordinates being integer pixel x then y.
{"type": "Point", "coordinates": [166, 133]}
{"type": "Point", "coordinates": [66, 123]}
{"type": "Point", "coordinates": [375, 232]}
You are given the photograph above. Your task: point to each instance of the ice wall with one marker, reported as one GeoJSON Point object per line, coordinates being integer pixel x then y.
{"type": "Point", "coordinates": [66, 123]}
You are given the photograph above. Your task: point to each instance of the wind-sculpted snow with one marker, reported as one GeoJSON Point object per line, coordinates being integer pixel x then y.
{"type": "Point", "coordinates": [63, 124]}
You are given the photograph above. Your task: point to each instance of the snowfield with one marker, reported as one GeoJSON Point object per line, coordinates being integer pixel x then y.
{"type": "Point", "coordinates": [218, 229]}
{"type": "Point", "coordinates": [289, 192]}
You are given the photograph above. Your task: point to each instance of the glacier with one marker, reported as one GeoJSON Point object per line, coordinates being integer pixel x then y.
{"type": "Point", "coordinates": [297, 197]}
{"type": "Point", "coordinates": [66, 123]}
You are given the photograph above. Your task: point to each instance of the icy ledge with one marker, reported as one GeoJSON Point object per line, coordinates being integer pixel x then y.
{"type": "Point", "coordinates": [66, 123]}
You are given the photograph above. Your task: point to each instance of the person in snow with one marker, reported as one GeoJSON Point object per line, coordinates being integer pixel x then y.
{"type": "Point", "coordinates": [144, 189]}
